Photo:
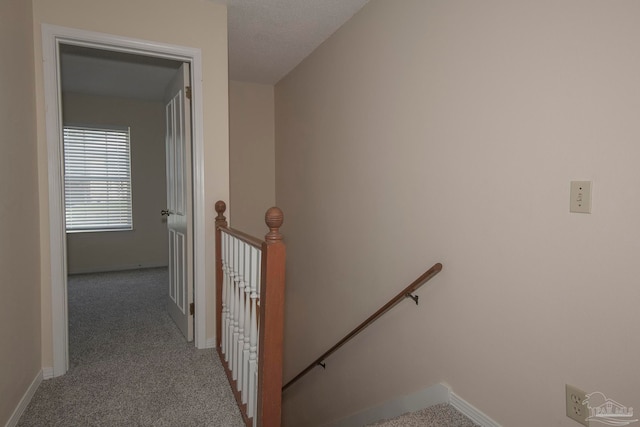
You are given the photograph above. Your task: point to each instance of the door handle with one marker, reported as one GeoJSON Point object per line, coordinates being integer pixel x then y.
{"type": "Point", "coordinates": [165, 212]}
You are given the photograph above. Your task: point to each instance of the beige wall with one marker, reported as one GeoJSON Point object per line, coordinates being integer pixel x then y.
{"type": "Point", "coordinates": [145, 245]}
{"type": "Point", "coordinates": [19, 231]}
{"type": "Point", "coordinates": [448, 131]}
{"type": "Point", "coordinates": [193, 23]}
{"type": "Point", "coordinates": [251, 155]}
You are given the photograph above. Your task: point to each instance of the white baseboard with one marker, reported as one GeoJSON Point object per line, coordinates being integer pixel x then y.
{"type": "Point", "coordinates": [210, 343]}
{"type": "Point", "coordinates": [438, 393]}
{"type": "Point", "coordinates": [110, 268]}
{"type": "Point", "coordinates": [47, 373]}
{"type": "Point", "coordinates": [24, 402]}
{"type": "Point", "coordinates": [473, 413]}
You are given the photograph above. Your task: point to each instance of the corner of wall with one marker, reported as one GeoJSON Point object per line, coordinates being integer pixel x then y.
{"type": "Point", "coordinates": [24, 402]}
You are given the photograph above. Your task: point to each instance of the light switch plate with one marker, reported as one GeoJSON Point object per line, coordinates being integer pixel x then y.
{"type": "Point", "coordinates": [580, 197]}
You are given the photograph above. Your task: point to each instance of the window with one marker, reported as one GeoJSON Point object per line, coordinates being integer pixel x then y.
{"type": "Point", "coordinates": [97, 179]}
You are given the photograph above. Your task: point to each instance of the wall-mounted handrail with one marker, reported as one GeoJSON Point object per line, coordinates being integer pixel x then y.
{"type": "Point", "coordinates": [405, 293]}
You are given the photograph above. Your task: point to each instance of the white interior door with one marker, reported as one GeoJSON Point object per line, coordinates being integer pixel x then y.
{"type": "Point", "coordinates": [179, 211]}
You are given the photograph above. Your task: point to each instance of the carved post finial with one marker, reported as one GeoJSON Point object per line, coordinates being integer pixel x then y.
{"type": "Point", "coordinates": [273, 218]}
{"type": "Point", "coordinates": [221, 207]}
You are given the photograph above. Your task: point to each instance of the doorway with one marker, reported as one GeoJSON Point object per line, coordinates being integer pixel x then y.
{"type": "Point", "coordinates": [127, 145]}
{"type": "Point", "coordinates": [53, 38]}
{"type": "Point", "coordinates": [114, 156]}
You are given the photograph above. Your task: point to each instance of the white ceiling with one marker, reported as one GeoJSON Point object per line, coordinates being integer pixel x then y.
{"type": "Point", "coordinates": [108, 73]}
{"type": "Point", "coordinates": [267, 39]}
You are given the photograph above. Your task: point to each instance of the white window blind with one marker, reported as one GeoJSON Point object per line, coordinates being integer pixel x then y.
{"type": "Point", "coordinates": [97, 179]}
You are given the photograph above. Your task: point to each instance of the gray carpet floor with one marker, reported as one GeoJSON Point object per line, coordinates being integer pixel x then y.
{"type": "Point", "coordinates": [129, 364]}
{"type": "Point", "coordinates": [442, 415]}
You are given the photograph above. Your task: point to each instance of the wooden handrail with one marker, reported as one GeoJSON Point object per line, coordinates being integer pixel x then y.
{"type": "Point", "coordinates": [248, 239]}
{"type": "Point", "coordinates": [268, 307]}
{"type": "Point", "coordinates": [406, 292]}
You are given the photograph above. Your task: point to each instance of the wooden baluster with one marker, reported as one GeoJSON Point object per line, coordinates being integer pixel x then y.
{"type": "Point", "coordinates": [255, 373]}
{"type": "Point", "coordinates": [253, 332]}
{"type": "Point", "coordinates": [234, 304]}
{"type": "Point", "coordinates": [271, 323]}
{"type": "Point", "coordinates": [243, 379]}
{"type": "Point", "coordinates": [227, 291]}
{"type": "Point", "coordinates": [238, 313]}
{"type": "Point", "coordinates": [241, 307]}
{"type": "Point", "coordinates": [222, 322]}
{"type": "Point", "coordinates": [229, 296]}
{"type": "Point", "coordinates": [221, 221]}
{"type": "Point", "coordinates": [232, 307]}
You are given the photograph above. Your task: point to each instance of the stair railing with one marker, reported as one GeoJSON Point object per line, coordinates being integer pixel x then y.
{"type": "Point", "coordinates": [407, 292]}
{"type": "Point", "coordinates": [250, 316]}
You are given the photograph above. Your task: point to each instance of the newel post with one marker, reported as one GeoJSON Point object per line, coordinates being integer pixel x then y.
{"type": "Point", "coordinates": [221, 221]}
{"type": "Point", "coordinates": [271, 322]}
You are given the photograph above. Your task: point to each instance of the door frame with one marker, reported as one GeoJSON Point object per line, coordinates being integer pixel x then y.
{"type": "Point", "coordinates": [52, 37]}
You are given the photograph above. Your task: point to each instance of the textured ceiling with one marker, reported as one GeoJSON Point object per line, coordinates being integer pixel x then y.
{"type": "Point", "coordinates": [268, 38]}
{"type": "Point", "coordinates": [117, 74]}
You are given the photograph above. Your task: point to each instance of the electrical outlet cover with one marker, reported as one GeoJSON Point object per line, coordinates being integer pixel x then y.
{"type": "Point", "coordinates": [575, 409]}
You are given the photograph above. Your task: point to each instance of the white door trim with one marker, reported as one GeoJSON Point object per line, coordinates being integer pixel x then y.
{"type": "Point", "coordinates": [52, 37]}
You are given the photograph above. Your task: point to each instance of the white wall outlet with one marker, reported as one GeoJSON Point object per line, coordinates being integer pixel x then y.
{"type": "Point", "coordinates": [575, 409]}
{"type": "Point", "coordinates": [580, 197]}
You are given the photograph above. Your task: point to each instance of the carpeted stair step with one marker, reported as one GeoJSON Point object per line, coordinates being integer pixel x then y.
{"type": "Point", "coordinates": [442, 415]}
